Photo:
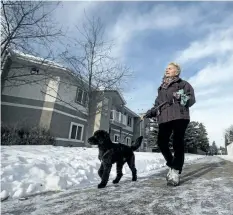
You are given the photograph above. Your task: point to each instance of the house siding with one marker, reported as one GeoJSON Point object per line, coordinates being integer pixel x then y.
{"type": "Point", "coordinates": [27, 104]}
{"type": "Point", "coordinates": [122, 132]}
{"type": "Point", "coordinates": [60, 128]}
{"type": "Point", "coordinates": [22, 111]}
{"type": "Point", "coordinates": [67, 91]}
{"type": "Point", "coordinates": [13, 115]}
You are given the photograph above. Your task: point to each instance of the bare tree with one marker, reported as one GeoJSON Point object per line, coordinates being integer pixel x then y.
{"type": "Point", "coordinates": [27, 24]}
{"type": "Point", "coordinates": [91, 60]}
{"type": "Point", "coordinates": [88, 57]}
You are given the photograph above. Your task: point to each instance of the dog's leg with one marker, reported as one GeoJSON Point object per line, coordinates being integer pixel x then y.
{"type": "Point", "coordinates": [119, 167]}
{"type": "Point", "coordinates": [107, 165]}
{"type": "Point", "coordinates": [131, 164]}
{"type": "Point", "coordinates": [101, 170]}
{"type": "Point", "coordinates": [105, 175]}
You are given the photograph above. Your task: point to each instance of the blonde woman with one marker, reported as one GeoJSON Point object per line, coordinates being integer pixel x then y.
{"type": "Point", "coordinates": [175, 97]}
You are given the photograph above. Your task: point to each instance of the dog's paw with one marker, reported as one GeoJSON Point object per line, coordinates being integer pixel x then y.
{"type": "Point", "coordinates": [101, 185]}
{"type": "Point", "coordinates": [134, 179]}
{"type": "Point", "coordinates": [115, 181]}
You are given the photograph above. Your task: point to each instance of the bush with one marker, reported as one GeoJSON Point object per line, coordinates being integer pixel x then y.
{"type": "Point", "coordinates": [24, 135]}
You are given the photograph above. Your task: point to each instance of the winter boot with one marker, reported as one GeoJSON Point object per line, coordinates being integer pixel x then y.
{"type": "Point", "coordinates": [168, 177]}
{"type": "Point", "coordinates": [174, 178]}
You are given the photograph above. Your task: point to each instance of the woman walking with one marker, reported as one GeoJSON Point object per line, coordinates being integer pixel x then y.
{"type": "Point", "coordinates": [175, 97]}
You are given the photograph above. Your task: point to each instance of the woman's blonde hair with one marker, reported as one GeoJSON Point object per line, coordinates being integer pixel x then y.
{"type": "Point", "coordinates": [177, 67]}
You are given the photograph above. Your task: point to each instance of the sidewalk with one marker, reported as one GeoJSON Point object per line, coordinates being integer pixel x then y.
{"type": "Point", "coordinates": [206, 188]}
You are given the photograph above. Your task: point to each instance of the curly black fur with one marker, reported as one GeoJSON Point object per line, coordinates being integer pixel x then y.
{"type": "Point", "coordinates": [110, 153]}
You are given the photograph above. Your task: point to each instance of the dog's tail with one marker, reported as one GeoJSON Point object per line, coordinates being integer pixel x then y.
{"type": "Point", "coordinates": [137, 143]}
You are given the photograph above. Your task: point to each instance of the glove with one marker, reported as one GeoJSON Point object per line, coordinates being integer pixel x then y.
{"type": "Point", "coordinates": [177, 96]}
{"type": "Point", "coordinates": [148, 114]}
{"type": "Point", "coordinates": [153, 112]}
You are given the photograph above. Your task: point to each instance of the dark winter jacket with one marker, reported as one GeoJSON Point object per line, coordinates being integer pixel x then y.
{"type": "Point", "coordinates": [167, 107]}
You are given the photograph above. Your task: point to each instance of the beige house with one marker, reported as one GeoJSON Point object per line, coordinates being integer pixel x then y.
{"type": "Point", "coordinates": [46, 94]}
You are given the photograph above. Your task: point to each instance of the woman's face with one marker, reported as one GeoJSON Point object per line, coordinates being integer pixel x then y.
{"type": "Point", "coordinates": [171, 71]}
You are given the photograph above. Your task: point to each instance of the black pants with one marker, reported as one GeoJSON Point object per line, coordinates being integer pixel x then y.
{"type": "Point", "coordinates": [178, 127]}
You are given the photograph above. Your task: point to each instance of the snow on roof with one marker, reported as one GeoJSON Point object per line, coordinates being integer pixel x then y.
{"type": "Point", "coordinates": [42, 61]}
{"type": "Point", "coordinates": [37, 60]}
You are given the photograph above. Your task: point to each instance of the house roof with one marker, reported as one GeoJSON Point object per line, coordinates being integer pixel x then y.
{"type": "Point", "coordinates": [133, 113]}
{"type": "Point", "coordinates": [118, 93]}
{"type": "Point", "coordinates": [42, 61]}
{"type": "Point", "coordinates": [37, 60]}
{"type": "Point", "coordinates": [52, 64]}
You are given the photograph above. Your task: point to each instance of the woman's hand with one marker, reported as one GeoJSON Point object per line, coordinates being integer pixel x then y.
{"type": "Point", "coordinates": [181, 97]}
{"type": "Point", "coordinates": [176, 95]}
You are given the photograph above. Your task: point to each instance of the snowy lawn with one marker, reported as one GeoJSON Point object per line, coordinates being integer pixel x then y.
{"type": "Point", "coordinates": [28, 170]}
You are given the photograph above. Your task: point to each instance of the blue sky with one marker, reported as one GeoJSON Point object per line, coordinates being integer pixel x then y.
{"type": "Point", "coordinates": [148, 35]}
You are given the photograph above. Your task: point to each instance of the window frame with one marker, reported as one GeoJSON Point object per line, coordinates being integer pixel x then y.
{"type": "Point", "coordinates": [128, 138]}
{"type": "Point", "coordinates": [83, 103]}
{"type": "Point", "coordinates": [70, 131]}
{"type": "Point", "coordinates": [129, 117]}
{"type": "Point", "coordinates": [118, 135]}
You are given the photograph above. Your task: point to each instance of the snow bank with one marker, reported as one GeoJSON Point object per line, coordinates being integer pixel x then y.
{"type": "Point", "coordinates": [28, 170]}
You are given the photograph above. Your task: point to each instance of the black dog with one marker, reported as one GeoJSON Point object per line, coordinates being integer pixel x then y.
{"type": "Point", "coordinates": [110, 153]}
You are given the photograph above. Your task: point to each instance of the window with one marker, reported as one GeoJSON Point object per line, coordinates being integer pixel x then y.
{"type": "Point", "coordinates": [34, 70]}
{"type": "Point", "coordinates": [81, 97]}
{"type": "Point", "coordinates": [111, 114]}
{"type": "Point", "coordinates": [76, 131]}
{"type": "Point", "coordinates": [124, 119]}
{"type": "Point", "coordinates": [128, 141]}
{"type": "Point", "coordinates": [116, 138]}
{"type": "Point", "coordinates": [129, 122]}
{"type": "Point", "coordinates": [119, 117]}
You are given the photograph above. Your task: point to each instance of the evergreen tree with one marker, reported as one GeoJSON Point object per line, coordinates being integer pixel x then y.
{"type": "Point", "coordinates": [226, 140]}
{"type": "Point", "coordinates": [211, 150]}
{"type": "Point", "coordinates": [202, 138]}
{"type": "Point", "coordinates": [214, 148]}
{"type": "Point", "coordinates": [190, 138]}
{"type": "Point", "coordinates": [196, 137]}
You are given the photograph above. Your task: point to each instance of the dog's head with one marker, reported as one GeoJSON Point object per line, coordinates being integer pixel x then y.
{"type": "Point", "coordinates": [100, 137]}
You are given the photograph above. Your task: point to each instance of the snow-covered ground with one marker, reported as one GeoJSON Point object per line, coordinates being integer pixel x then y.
{"type": "Point", "coordinates": [28, 170]}
{"type": "Point", "coordinates": [226, 157]}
